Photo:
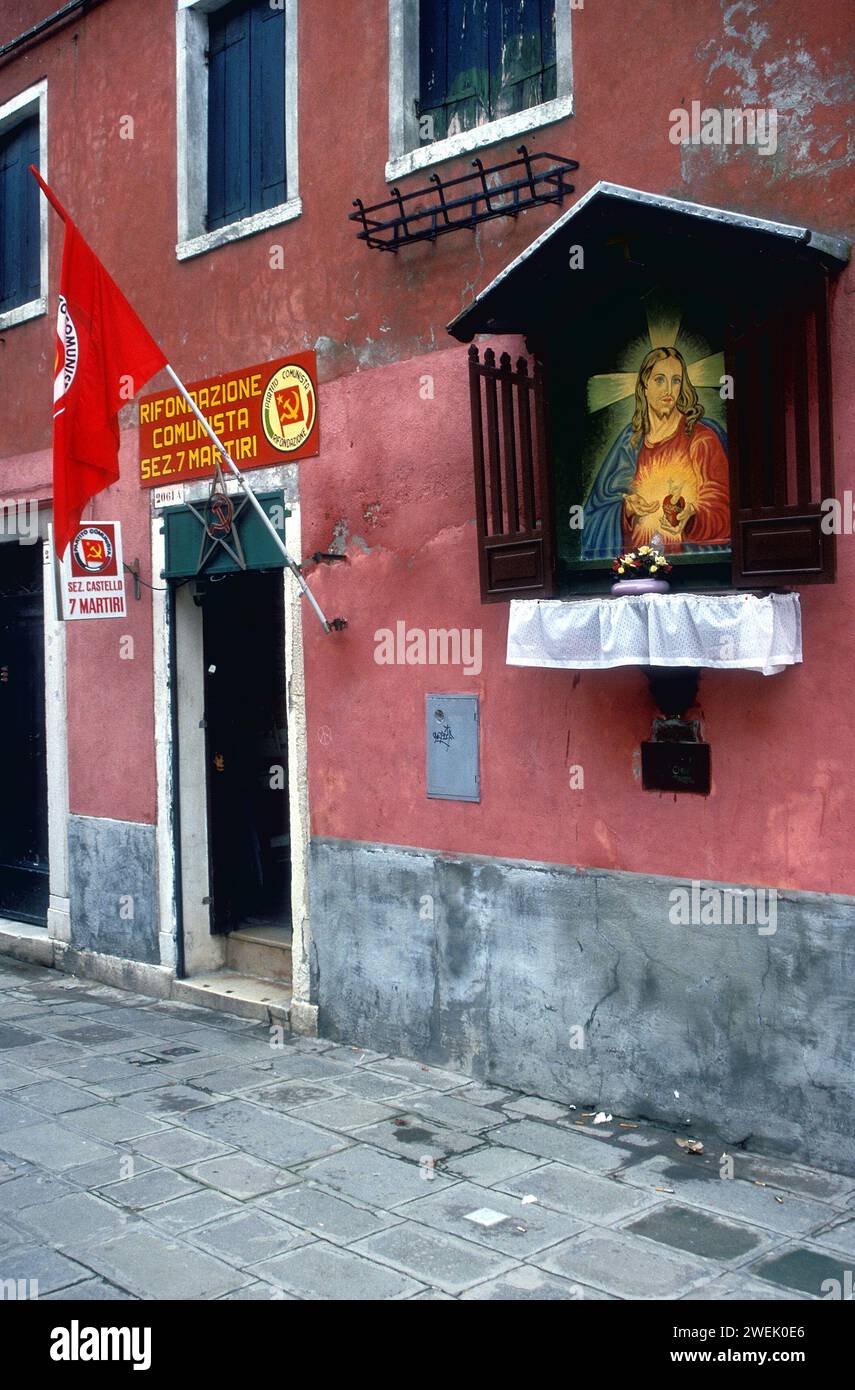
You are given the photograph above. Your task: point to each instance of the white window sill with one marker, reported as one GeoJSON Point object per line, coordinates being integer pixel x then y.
{"type": "Point", "coordinates": [31, 310]}
{"type": "Point", "coordinates": [235, 231]}
{"type": "Point", "coordinates": [479, 136]}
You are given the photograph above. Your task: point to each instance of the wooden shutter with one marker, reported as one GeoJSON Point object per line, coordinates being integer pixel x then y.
{"type": "Point", "coordinates": [522, 49]}
{"type": "Point", "coordinates": [780, 439]}
{"type": "Point", "coordinates": [512, 478]}
{"type": "Point", "coordinates": [228, 116]}
{"type": "Point", "coordinates": [267, 64]}
{"type": "Point", "coordinates": [20, 232]}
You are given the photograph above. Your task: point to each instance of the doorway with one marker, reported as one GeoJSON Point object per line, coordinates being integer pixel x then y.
{"type": "Point", "coordinates": [24, 888]}
{"type": "Point", "coordinates": [246, 745]}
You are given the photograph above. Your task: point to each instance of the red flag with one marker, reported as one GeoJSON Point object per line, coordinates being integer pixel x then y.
{"type": "Point", "coordinates": [104, 355]}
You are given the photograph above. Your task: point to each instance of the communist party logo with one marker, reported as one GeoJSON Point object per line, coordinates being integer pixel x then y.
{"type": "Point", "coordinates": [289, 408]}
{"type": "Point", "coordinates": [67, 355]}
{"type": "Point", "coordinates": [92, 550]}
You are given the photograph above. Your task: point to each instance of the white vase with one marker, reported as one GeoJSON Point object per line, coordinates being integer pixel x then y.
{"type": "Point", "coordinates": [641, 586]}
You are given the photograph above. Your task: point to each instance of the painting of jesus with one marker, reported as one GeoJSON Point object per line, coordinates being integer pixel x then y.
{"type": "Point", "coordinates": [665, 478]}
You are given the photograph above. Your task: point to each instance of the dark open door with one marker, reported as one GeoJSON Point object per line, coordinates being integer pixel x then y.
{"type": "Point", "coordinates": [23, 781]}
{"type": "Point", "coordinates": [247, 752]}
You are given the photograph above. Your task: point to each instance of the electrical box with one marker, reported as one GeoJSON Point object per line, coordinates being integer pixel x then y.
{"type": "Point", "coordinates": [453, 766]}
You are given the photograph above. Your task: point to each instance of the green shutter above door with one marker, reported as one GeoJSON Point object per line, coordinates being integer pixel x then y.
{"type": "Point", "coordinates": [186, 542]}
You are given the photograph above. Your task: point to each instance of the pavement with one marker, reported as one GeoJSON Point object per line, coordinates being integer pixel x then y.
{"type": "Point", "coordinates": [152, 1150]}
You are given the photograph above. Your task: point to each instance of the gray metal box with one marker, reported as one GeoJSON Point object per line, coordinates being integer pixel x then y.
{"type": "Point", "coordinates": [453, 771]}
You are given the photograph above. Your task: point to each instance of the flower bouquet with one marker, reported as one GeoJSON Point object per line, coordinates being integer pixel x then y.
{"type": "Point", "coordinates": [641, 571]}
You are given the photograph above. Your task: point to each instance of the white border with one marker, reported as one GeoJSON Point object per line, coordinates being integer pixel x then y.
{"type": "Point", "coordinates": [191, 42]}
{"type": "Point", "coordinates": [203, 951]}
{"type": "Point", "coordinates": [32, 102]}
{"type": "Point", "coordinates": [406, 154]}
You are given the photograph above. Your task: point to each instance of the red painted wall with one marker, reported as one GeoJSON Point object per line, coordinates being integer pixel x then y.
{"type": "Point", "coordinates": [396, 467]}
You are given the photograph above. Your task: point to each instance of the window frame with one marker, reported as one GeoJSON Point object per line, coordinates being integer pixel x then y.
{"type": "Point", "coordinates": [20, 108]}
{"type": "Point", "coordinates": [191, 32]}
{"type": "Point", "coordinates": [406, 153]}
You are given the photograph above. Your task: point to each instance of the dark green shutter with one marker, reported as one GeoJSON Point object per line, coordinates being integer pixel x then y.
{"type": "Point", "coordinates": [20, 240]}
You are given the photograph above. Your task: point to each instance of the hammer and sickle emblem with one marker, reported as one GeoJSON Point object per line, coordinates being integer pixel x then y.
{"type": "Point", "coordinates": [94, 550]}
{"type": "Point", "coordinates": [289, 405]}
{"type": "Point", "coordinates": [220, 514]}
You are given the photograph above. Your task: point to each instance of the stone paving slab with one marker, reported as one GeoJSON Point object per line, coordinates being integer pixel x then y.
{"type": "Point", "coordinates": [433, 1257]}
{"type": "Point", "coordinates": [14, 1115]}
{"type": "Point", "coordinates": [149, 1190]}
{"type": "Point", "coordinates": [175, 1148]}
{"type": "Point", "coordinates": [197, 1209]}
{"type": "Point", "coordinates": [528, 1284]}
{"type": "Point", "coordinates": [763, 1206]}
{"type": "Point", "coordinates": [154, 1265]}
{"type": "Point", "coordinates": [326, 1215]}
{"type": "Point", "coordinates": [48, 1268]}
{"type": "Point", "coordinates": [344, 1113]}
{"type": "Point", "coordinates": [91, 1291]}
{"type": "Point", "coordinates": [52, 1146]}
{"type": "Point", "coordinates": [626, 1267]}
{"type": "Point", "coordinates": [418, 1073]}
{"type": "Point", "coordinates": [12, 1076]}
{"type": "Point", "coordinates": [701, 1233]}
{"type": "Point", "coordinates": [491, 1164]}
{"type": "Point", "coordinates": [248, 1237]}
{"type": "Point", "coordinates": [53, 1097]}
{"type": "Point", "coordinates": [371, 1085]}
{"type": "Point", "coordinates": [70, 1223]}
{"type": "Point", "coordinates": [111, 1122]}
{"type": "Point", "coordinates": [804, 1268]}
{"type": "Point", "coordinates": [587, 1196]}
{"type": "Point", "coordinates": [240, 1175]}
{"type": "Point", "coordinates": [566, 1146]}
{"type": "Point", "coordinates": [263, 1132]}
{"type": "Point", "coordinates": [450, 1109]}
{"type": "Point", "coordinates": [418, 1138]}
{"type": "Point", "coordinates": [493, 1219]}
{"type": "Point", "coordinates": [30, 1190]}
{"type": "Point", "coordinates": [323, 1271]}
{"type": "Point", "coordinates": [370, 1176]}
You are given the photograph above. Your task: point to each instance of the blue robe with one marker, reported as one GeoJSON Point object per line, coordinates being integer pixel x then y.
{"type": "Point", "coordinates": [602, 533]}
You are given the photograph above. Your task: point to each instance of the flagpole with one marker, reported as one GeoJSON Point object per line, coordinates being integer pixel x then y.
{"type": "Point", "coordinates": [250, 496]}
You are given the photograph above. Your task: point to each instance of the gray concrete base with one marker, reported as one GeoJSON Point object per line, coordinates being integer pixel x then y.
{"type": "Point", "coordinates": [23, 942]}
{"type": "Point", "coordinates": [304, 1018]}
{"type": "Point", "coordinates": [112, 876]}
{"type": "Point", "coordinates": [114, 970]}
{"type": "Point", "coordinates": [577, 986]}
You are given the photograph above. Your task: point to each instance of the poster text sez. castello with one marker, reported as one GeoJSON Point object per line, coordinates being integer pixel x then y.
{"type": "Point", "coordinates": [263, 414]}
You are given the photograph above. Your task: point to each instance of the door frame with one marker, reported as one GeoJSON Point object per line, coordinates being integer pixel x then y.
{"type": "Point", "coordinates": [187, 945]}
{"type": "Point", "coordinates": [58, 924]}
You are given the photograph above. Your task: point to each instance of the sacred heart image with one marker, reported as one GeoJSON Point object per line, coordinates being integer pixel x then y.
{"type": "Point", "coordinates": [654, 466]}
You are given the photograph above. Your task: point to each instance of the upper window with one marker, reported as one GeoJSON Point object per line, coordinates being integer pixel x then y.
{"type": "Point", "coordinates": [482, 59]}
{"type": "Point", "coordinates": [466, 73]}
{"type": "Point", "coordinates": [237, 120]}
{"type": "Point", "coordinates": [21, 215]}
{"type": "Point", "coordinates": [246, 111]}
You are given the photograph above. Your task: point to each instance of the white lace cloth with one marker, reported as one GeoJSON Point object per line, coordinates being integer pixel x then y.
{"type": "Point", "coordinates": [740, 631]}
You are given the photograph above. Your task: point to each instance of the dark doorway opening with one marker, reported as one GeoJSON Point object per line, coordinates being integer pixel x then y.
{"type": "Point", "coordinates": [23, 803]}
{"type": "Point", "coordinates": [249, 847]}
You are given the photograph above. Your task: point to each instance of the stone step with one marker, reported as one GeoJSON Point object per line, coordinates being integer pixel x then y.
{"type": "Point", "coordinates": [262, 952]}
{"type": "Point", "coordinates": [231, 992]}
